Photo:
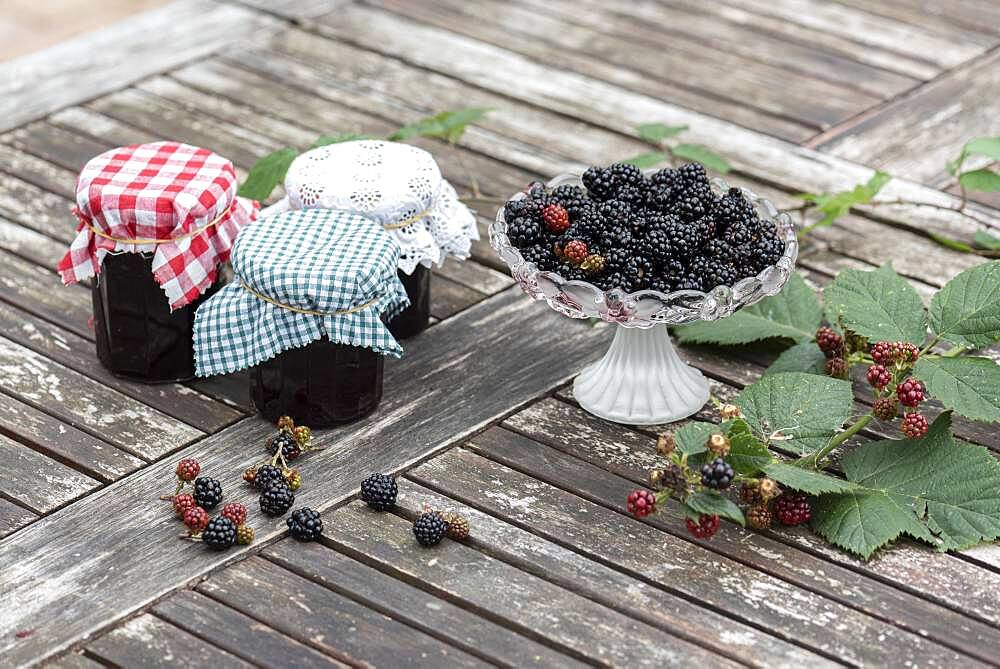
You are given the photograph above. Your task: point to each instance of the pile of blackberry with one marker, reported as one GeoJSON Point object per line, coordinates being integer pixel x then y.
{"type": "Point", "coordinates": [664, 232]}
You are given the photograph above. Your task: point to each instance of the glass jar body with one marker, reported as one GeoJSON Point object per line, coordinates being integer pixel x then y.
{"type": "Point", "coordinates": [415, 318]}
{"type": "Point", "coordinates": [138, 337]}
{"type": "Point", "coordinates": [320, 385]}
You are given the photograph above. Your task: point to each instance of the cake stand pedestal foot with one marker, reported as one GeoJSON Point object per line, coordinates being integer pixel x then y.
{"type": "Point", "coordinates": [641, 380]}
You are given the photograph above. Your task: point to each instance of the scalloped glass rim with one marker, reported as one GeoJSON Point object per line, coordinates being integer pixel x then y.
{"type": "Point", "coordinates": [646, 308]}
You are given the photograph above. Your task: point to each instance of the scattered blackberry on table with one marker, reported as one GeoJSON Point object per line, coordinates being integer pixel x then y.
{"type": "Point", "coordinates": [305, 524]}
{"type": "Point", "coordinates": [831, 343]}
{"type": "Point", "coordinates": [429, 528]}
{"type": "Point", "coordinates": [878, 376]}
{"type": "Point", "coordinates": [293, 478]}
{"type": "Point", "coordinates": [250, 475]}
{"type": "Point", "coordinates": [303, 435]}
{"type": "Point", "coordinates": [910, 393]}
{"type": "Point", "coordinates": [379, 491]}
{"type": "Point", "coordinates": [886, 408]}
{"type": "Point", "coordinates": [196, 518]}
{"type": "Point", "coordinates": [187, 469]}
{"type": "Point", "coordinates": [914, 425]}
{"type": "Point", "coordinates": [556, 218]}
{"type": "Point", "coordinates": [285, 423]}
{"type": "Point", "coordinates": [759, 517]}
{"type": "Point", "coordinates": [289, 445]}
{"type": "Point", "coordinates": [182, 503]}
{"type": "Point", "coordinates": [599, 183]}
{"type": "Point", "coordinates": [792, 508]}
{"type": "Point", "coordinates": [219, 534]}
{"type": "Point", "coordinates": [207, 492]}
{"type": "Point", "coordinates": [235, 512]}
{"type": "Point", "coordinates": [640, 503]}
{"type": "Point", "coordinates": [267, 475]}
{"type": "Point", "coordinates": [244, 535]}
{"type": "Point", "coordinates": [458, 525]}
{"type": "Point", "coordinates": [705, 528]}
{"type": "Point", "coordinates": [837, 368]}
{"type": "Point", "coordinates": [277, 500]}
{"type": "Point", "coordinates": [717, 474]}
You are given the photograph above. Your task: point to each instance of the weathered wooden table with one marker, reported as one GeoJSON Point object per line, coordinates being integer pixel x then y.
{"type": "Point", "coordinates": [797, 94]}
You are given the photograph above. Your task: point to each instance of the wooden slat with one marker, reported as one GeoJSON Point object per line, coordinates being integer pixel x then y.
{"type": "Point", "coordinates": [570, 569]}
{"type": "Point", "coordinates": [13, 517]}
{"type": "Point", "coordinates": [239, 634]}
{"type": "Point", "coordinates": [33, 169]}
{"type": "Point", "coordinates": [74, 661]}
{"type": "Point", "coordinates": [105, 60]}
{"type": "Point", "coordinates": [147, 641]}
{"type": "Point", "coordinates": [740, 591]}
{"type": "Point", "coordinates": [474, 275]}
{"type": "Point", "coordinates": [37, 482]}
{"type": "Point", "coordinates": [968, 16]}
{"type": "Point", "coordinates": [293, 9]}
{"type": "Point", "coordinates": [107, 130]}
{"type": "Point", "coordinates": [449, 297]}
{"type": "Point", "coordinates": [441, 391]}
{"type": "Point", "coordinates": [327, 621]}
{"type": "Point", "coordinates": [66, 149]}
{"type": "Point", "coordinates": [28, 244]}
{"type": "Point", "coordinates": [529, 604]}
{"type": "Point", "coordinates": [406, 603]}
{"type": "Point", "coordinates": [35, 208]}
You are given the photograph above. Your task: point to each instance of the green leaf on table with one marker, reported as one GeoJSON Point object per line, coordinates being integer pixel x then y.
{"type": "Point", "coordinates": [837, 204]}
{"type": "Point", "coordinates": [937, 489]}
{"type": "Point", "coordinates": [981, 146]}
{"type": "Point", "coordinates": [967, 384]}
{"type": "Point", "coordinates": [801, 411]}
{"type": "Point", "coordinates": [447, 125]}
{"type": "Point", "coordinates": [794, 314]}
{"type": "Point", "coordinates": [967, 310]}
{"type": "Point", "coordinates": [806, 480]}
{"type": "Point", "coordinates": [878, 304]}
{"type": "Point", "coordinates": [984, 240]}
{"type": "Point", "coordinates": [985, 181]}
{"type": "Point", "coordinates": [712, 503]}
{"type": "Point", "coordinates": [747, 454]}
{"type": "Point", "coordinates": [703, 155]}
{"type": "Point", "coordinates": [324, 140]}
{"type": "Point", "coordinates": [646, 160]}
{"type": "Point", "coordinates": [654, 133]}
{"type": "Point", "coordinates": [803, 357]}
{"type": "Point", "coordinates": [267, 173]}
{"type": "Point", "coordinates": [691, 437]}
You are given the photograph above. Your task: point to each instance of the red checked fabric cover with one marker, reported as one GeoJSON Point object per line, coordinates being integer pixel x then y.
{"type": "Point", "coordinates": [174, 200]}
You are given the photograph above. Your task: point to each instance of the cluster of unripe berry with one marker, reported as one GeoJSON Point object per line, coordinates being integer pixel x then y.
{"type": "Point", "coordinates": [218, 533]}
{"type": "Point", "coordinates": [379, 492]}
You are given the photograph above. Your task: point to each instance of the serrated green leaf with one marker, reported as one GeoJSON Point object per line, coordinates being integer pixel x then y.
{"type": "Point", "coordinates": [267, 173]}
{"type": "Point", "coordinates": [747, 454]}
{"type": "Point", "coordinates": [448, 125]}
{"type": "Point", "coordinates": [984, 181]}
{"type": "Point", "coordinates": [807, 480]}
{"type": "Point", "coordinates": [879, 304]}
{"type": "Point", "coordinates": [645, 160]}
{"type": "Point", "coordinates": [967, 384]}
{"type": "Point", "coordinates": [654, 133]}
{"type": "Point", "coordinates": [714, 504]}
{"type": "Point", "coordinates": [691, 437]}
{"type": "Point", "coordinates": [803, 357]}
{"type": "Point", "coordinates": [967, 310]}
{"type": "Point", "coordinates": [984, 146]}
{"type": "Point", "coordinates": [324, 140]}
{"type": "Point", "coordinates": [703, 155]}
{"type": "Point", "coordinates": [863, 521]}
{"type": "Point", "coordinates": [839, 203]}
{"type": "Point", "coordinates": [794, 314]}
{"type": "Point", "coordinates": [984, 240]}
{"type": "Point", "coordinates": [802, 410]}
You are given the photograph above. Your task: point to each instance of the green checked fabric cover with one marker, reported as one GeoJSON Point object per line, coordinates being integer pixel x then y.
{"type": "Point", "coordinates": [339, 264]}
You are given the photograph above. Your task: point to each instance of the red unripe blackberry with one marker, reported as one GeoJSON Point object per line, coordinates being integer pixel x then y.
{"type": "Point", "coordinates": [914, 425]}
{"type": "Point", "coordinates": [888, 352]}
{"type": "Point", "coordinates": [886, 408]}
{"type": "Point", "coordinates": [196, 518]}
{"type": "Point", "coordinates": [704, 528]}
{"type": "Point", "coordinates": [829, 341]}
{"type": "Point", "coordinates": [556, 218]}
{"type": "Point", "coordinates": [910, 392]}
{"type": "Point", "coordinates": [182, 503]}
{"type": "Point", "coordinates": [837, 368]}
{"type": "Point", "coordinates": [576, 251]}
{"type": "Point", "coordinates": [235, 512]}
{"type": "Point", "coordinates": [878, 376]}
{"type": "Point", "coordinates": [640, 503]}
{"type": "Point", "coordinates": [792, 508]}
{"type": "Point", "coordinates": [187, 469]}
{"type": "Point", "coordinates": [906, 352]}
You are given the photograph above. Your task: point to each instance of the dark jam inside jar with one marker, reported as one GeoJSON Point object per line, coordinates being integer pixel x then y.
{"type": "Point", "coordinates": [319, 385]}
{"type": "Point", "coordinates": [138, 337]}
{"type": "Point", "coordinates": [414, 319]}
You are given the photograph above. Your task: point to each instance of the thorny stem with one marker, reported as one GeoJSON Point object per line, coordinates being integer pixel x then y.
{"type": "Point", "coordinates": [816, 459]}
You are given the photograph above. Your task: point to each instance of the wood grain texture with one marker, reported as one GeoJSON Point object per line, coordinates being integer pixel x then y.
{"type": "Point", "coordinates": [527, 603]}
{"type": "Point", "coordinates": [450, 297]}
{"type": "Point", "coordinates": [147, 641]}
{"type": "Point", "coordinates": [399, 600]}
{"type": "Point", "coordinates": [105, 60]}
{"type": "Point", "coordinates": [66, 149]}
{"type": "Point", "coordinates": [441, 391]}
{"type": "Point", "coordinates": [74, 661]}
{"type": "Point", "coordinates": [239, 634]}
{"type": "Point", "coordinates": [328, 621]}
{"type": "Point", "coordinates": [738, 590]}
{"type": "Point", "coordinates": [13, 517]}
{"type": "Point", "coordinates": [39, 172]}
{"type": "Point", "coordinates": [639, 599]}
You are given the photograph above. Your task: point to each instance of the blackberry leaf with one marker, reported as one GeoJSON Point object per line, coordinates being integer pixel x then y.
{"type": "Point", "coordinates": [714, 504]}
{"type": "Point", "coordinates": [267, 173]}
{"type": "Point", "coordinates": [807, 480]}
{"type": "Point", "coordinates": [644, 160]}
{"type": "Point", "coordinates": [803, 357]}
{"type": "Point", "coordinates": [700, 154]}
{"type": "Point", "coordinates": [879, 304]}
{"type": "Point", "coordinates": [967, 310]}
{"type": "Point", "coordinates": [654, 133]}
{"type": "Point", "coordinates": [969, 385]}
{"type": "Point", "coordinates": [692, 436]}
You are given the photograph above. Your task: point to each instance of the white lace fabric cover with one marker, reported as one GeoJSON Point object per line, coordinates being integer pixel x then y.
{"type": "Point", "coordinates": [389, 182]}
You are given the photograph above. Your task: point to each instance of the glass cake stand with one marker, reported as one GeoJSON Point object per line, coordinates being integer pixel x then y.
{"type": "Point", "coordinates": [641, 380]}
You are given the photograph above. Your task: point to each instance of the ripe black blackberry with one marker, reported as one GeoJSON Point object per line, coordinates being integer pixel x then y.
{"type": "Point", "coordinates": [616, 258]}
{"type": "Point", "coordinates": [536, 189]}
{"type": "Point", "coordinates": [616, 237]}
{"type": "Point", "coordinates": [732, 208]}
{"type": "Point", "coordinates": [692, 175]}
{"type": "Point", "coordinates": [568, 194]}
{"type": "Point", "coordinates": [207, 492]}
{"type": "Point", "coordinates": [717, 474]}
{"type": "Point", "coordinates": [624, 174]}
{"type": "Point", "coordinates": [633, 195]}
{"type": "Point", "coordinates": [689, 281]}
{"type": "Point", "coordinates": [290, 448]}
{"type": "Point", "coordinates": [267, 475]}
{"type": "Point", "coordinates": [540, 255]}
{"type": "Point", "coordinates": [661, 284]}
{"type": "Point", "coordinates": [514, 208]}
{"type": "Point", "coordinates": [609, 281]}
{"type": "Point", "coordinates": [305, 524]}
{"type": "Point", "coordinates": [691, 207]}
{"type": "Point", "coordinates": [660, 198]}
{"type": "Point", "coordinates": [586, 220]}
{"type": "Point", "coordinates": [379, 491]}
{"type": "Point", "coordinates": [571, 272]}
{"type": "Point", "coordinates": [429, 528]}
{"type": "Point", "coordinates": [277, 500]}
{"type": "Point", "coordinates": [740, 233]}
{"type": "Point", "coordinates": [599, 182]}
{"type": "Point", "coordinates": [768, 250]}
{"type": "Point", "coordinates": [523, 231]}
{"type": "Point", "coordinates": [685, 239]}
{"type": "Point", "coordinates": [219, 534]}
{"type": "Point", "coordinates": [615, 212]}
{"type": "Point", "coordinates": [713, 272]}
{"type": "Point", "coordinates": [658, 245]}
{"type": "Point", "coordinates": [719, 249]}
{"type": "Point", "coordinates": [668, 177]}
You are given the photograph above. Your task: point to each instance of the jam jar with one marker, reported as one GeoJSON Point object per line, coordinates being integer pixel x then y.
{"type": "Point", "coordinates": [156, 221]}
{"type": "Point", "coordinates": [306, 313]}
{"type": "Point", "coordinates": [401, 187]}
